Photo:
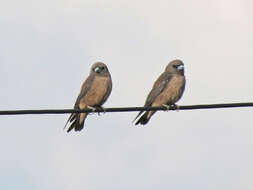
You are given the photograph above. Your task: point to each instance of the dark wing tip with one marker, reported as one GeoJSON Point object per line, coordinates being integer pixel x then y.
{"type": "Point", "coordinates": [143, 119]}
{"type": "Point", "coordinates": [71, 118]}
{"type": "Point", "coordinates": [137, 116]}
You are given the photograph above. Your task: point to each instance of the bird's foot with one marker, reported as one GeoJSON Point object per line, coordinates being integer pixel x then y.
{"type": "Point", "coordinates": [171, 107]}
{"type": "Point", "coordinates": [168, 107]}
{"type": "Point", "coordinates": [93, 109]}
{"type": "Point", "coordinates": [100, 108]}
{"type": "Point", "coordinates": [175, 107]}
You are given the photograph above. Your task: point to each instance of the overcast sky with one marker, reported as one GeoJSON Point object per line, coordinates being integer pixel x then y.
{"type": "Point", "coordinates": [46, 51]}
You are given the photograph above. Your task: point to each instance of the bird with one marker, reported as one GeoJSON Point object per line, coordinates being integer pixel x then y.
{"type": "Point", "coordinates": [94, 92]}
{"type": "Point", "coordinates": [166, 91]}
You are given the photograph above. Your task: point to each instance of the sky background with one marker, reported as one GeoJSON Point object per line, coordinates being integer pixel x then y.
{"type": "Point", "coordinates": [46, 51]}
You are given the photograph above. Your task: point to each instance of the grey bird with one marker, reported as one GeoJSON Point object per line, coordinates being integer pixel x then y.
{"type": "Point", "coordinates": [94, 92]}
{"type": "Point", "coordinates": [166, 91]}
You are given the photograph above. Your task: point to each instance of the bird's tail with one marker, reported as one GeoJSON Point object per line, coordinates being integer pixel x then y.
{"type": "Point", "coordinates": [144, 118]}
{"type": "Point", "coordinates": [77, 121]}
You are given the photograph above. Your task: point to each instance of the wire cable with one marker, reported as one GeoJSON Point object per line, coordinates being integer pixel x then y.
{"type": "Point", "coordinates": [127, 109]}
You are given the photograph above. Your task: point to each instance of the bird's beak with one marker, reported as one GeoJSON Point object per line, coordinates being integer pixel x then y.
{"type": "Point", "coordinates": [97, 70]}
{"type": "Point", "coordinates": [180, 67]}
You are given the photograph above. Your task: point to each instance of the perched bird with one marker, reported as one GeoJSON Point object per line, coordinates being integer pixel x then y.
{"type": "Point", "coordinates": [94, 92]}
{"type": "Point", "coordinates": [167, 90]}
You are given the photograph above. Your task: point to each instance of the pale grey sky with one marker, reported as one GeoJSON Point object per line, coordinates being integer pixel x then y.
{"type": "Point", "coordinates": [46, 51]}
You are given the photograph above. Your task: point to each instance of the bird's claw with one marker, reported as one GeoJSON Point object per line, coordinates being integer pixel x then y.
{"type": "Point", "coordinates": [168, 107]}
{"type": "Point", "coordinates": [176, 107]}
{"type": "Point", "coordinates": [92, 108]}
{"type": "Point", "coordinates": [101, 108]}
{"type": "Point", "coordinates": [171, 107]}
{"type": "Point", "coordinates": [97, 108]}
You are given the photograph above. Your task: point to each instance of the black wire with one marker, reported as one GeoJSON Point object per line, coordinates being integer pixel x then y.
{"type": "Point", "coordinates": [126, 109]}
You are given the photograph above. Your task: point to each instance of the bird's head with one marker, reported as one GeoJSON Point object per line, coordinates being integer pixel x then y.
{"type": "Point", "coordinates": [100, 68]}
{"type": "Point", "coordinates": [175, 67]}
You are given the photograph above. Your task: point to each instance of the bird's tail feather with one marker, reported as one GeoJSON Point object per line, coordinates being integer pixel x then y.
{"type": "Point", "coordinates": [70, 119]}
{"type": "Point", "coordinates": [145, 118]}
{"type": "Point", "coordinates": [137, 115]}
{"type": "Point", "coordinates": [78, 121]}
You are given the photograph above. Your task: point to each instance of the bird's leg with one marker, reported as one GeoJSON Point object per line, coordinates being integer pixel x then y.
{"type": "Point", "coordinates": [168, 107]}
{"type": "Point", "coordinates": [93, 109]}
{"type": "Point", "coordinates": [101, 108]}
{"type": "Point", "coordinates": [171, 107]}
{"type": "Point", "coordinates": [175, 107]}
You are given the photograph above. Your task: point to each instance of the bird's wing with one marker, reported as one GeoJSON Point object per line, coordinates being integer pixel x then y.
{"type": "Point", "coordinates": [108, 91]}
{"type": "Point", "coordinates": [85, 88]}
{"type": "Point", "coordinates": [158, 88]}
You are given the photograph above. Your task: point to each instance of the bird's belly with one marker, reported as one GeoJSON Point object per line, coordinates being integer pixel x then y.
{"type": "Point", "coordinates": [98, 90]}
{"type": "Point", "coordinates": [172, 93]}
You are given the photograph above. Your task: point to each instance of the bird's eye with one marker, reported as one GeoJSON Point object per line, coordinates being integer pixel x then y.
{"type": "Point", "coordinates": [175, 66]}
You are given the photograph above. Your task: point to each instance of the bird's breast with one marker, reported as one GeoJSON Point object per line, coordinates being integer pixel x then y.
{"type": "Point", "coordinates": [172, 92]}
{"type": "Point", "coordinates": [98, 90]}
